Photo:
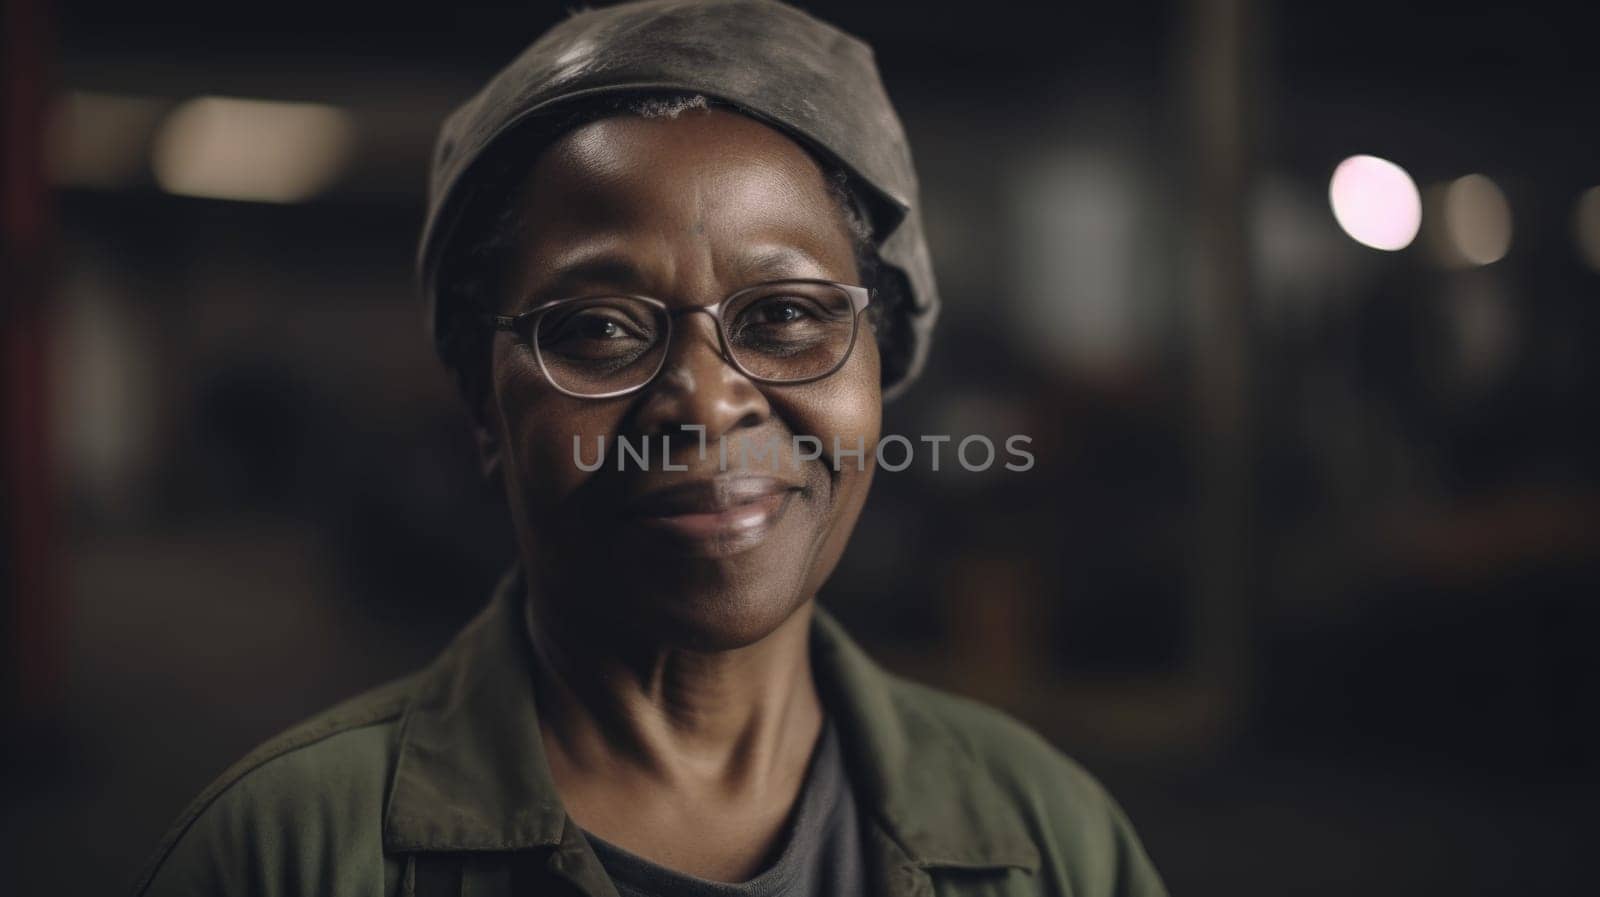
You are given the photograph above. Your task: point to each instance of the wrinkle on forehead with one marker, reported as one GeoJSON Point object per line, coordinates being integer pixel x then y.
{"type": "Point", "coordinates": [717, 178]}
{"type": "Point", "coordinates": [686, 210]}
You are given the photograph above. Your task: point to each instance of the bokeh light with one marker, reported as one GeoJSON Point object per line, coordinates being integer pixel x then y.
{"type": "Point", "coordinates": [1587, 227]}
{"type": "Point", "coordinates": [253, 150]}
{"type": "Point", "coordinates": [1477, 220]}
{"type": "Point", "coordinates": [1375, 202]}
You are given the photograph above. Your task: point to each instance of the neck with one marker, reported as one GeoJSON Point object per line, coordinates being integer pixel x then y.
{"type": "Point", "coordinates": [622, 710]}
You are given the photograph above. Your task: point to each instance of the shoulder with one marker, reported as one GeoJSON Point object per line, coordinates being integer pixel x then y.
{"type": "Point", "coordinates": [1082, 833]}
{"type": "Point", "coordinates": [313, 794]}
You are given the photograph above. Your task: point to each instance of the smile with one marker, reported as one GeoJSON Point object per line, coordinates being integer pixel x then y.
{"type": "Point", "coordinates": [716, 517]}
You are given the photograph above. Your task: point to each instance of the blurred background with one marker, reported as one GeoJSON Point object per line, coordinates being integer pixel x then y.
{"type": "Point", "coordinates": [1298, 301]}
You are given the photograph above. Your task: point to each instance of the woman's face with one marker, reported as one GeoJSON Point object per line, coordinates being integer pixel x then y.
{"type": "Point", "coordinates": [686, 210]}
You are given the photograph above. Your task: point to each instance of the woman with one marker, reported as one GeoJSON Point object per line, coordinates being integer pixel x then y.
{"type": "Point", "coordinates": [686, 225]}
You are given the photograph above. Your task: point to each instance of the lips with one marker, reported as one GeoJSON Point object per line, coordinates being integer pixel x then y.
{"type": "Point", "coordinates": [713, 517]}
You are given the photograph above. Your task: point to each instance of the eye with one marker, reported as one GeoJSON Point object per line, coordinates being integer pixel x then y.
{"type": "Point", "coordinates": [591, 324]}
{"type": "Point", "coordinates": [779, 310]}
{"type": "Point", "coordinates": [599, 329]}
{"type": "Point", "coordinates": [789, 320]}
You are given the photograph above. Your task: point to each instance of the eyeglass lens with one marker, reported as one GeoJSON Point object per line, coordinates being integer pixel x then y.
{"type": "Point", "coordinates": [781, 332]}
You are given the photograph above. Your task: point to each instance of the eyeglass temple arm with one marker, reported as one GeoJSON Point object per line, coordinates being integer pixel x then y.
{"type": "Point", "coordinates": [860, 297]}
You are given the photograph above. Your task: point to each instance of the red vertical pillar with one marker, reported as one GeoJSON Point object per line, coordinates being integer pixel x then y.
{"type": "Point", "coordinates": [35, 646]}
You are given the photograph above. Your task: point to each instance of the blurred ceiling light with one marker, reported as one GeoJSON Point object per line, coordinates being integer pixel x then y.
{"type": "Point", "coordinates": [99, 139]}
{"type": "Point", "coordinates": [253, 150]}
{"type": "Point", "coordinates": [1477, 220]}
{"type": "Point", "coordinates": [1376, 202]}
{"type": "Point", "coordinates": [1587, 225]}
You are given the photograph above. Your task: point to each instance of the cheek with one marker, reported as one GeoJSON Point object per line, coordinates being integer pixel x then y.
{"type": "Point", "coordinates": [858, 404]}
{"type": "Point", "coordinates": [539, 426]}
{"type": "Point", "coordinates": [847, 407]}
{"type": "Point", "coordinates": [851, 410]}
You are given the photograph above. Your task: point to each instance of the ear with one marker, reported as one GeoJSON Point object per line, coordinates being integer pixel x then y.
{"type": "Point", "coordinates": [485, 432]}
{"type": "Point", "coordinates": [478, 398]}
{"type": "Point", "coordinates": [490, 447]}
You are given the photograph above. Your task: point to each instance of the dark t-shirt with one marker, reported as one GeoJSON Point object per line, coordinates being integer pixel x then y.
{"type": "Point", "coordinates": [821, 854]}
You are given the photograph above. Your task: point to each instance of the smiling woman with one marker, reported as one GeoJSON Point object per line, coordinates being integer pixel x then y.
{"type": "Point", "coordinates": [675, 222]}
{"type": "Point", "coordinates": [681, 206]}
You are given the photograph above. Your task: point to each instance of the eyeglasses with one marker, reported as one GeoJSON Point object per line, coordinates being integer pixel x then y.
{"type": "Point", "coordinates": [783, 332]}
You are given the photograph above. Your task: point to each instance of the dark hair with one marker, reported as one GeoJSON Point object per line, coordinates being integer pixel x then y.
{"type": "Point", "coordinates": [477, 258]}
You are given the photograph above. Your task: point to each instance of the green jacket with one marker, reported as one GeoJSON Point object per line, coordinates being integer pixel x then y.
{"type": "Point", "coordinates": [437, 784]}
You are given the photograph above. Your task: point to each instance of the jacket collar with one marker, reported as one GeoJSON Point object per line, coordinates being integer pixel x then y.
{"type": "Point", "coordinates": [471, 773]}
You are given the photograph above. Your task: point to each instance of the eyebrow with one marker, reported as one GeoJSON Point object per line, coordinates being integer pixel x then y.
{"type": "Point", "coordinates": [612, 269]}
{"type": "Point", "coordinates": [605, 268]}
{"type": "Point", "coordinates": [778, 262]}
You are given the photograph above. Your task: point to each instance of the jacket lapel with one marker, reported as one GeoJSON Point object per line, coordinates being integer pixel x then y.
{"type": "Point", "coordinates": [933, 798]}
{"type": "Point", "coordinates": [471, 774]}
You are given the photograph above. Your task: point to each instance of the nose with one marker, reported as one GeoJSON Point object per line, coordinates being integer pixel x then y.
{"type": "Point", "coordinates": [698, 387]}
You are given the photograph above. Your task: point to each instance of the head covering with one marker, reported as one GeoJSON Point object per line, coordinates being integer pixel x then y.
{"type": "Point", "coordinates": [769, 60]}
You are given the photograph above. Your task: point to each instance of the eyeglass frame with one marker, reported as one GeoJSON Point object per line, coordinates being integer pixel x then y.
{"type": "Point", "coordinates": [525, 323]}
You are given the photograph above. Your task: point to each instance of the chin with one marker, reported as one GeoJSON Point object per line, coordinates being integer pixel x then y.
{"type": "Point", "coordinates": [716, 611]}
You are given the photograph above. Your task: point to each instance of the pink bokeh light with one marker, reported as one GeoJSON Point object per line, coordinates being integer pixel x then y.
{"type": "Point", "coordinates": [1376, 202]}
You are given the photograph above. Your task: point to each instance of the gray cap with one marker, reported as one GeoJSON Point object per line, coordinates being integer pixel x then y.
{"type": "Point", "coordinates": [769, 60]}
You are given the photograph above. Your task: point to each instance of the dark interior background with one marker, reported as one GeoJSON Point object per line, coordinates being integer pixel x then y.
{"type": "Point", "coordinates": [1306, 570]}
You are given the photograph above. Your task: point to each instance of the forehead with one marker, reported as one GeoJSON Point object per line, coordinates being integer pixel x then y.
{"type": "Point", "coordinates": [708, 184]}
